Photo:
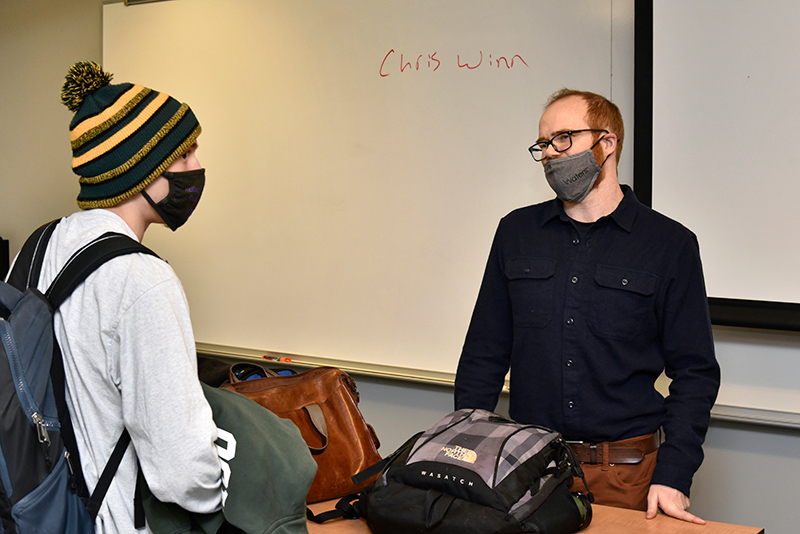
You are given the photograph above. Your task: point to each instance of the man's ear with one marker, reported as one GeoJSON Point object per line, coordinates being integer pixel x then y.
{"type": "Point", "coordinates": [609, 143]}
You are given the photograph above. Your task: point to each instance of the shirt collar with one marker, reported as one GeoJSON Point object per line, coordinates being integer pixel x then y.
{"type": "Point", "coordinates": [626, 212]}
{"type": "Point", "coordinates": [623, 216]}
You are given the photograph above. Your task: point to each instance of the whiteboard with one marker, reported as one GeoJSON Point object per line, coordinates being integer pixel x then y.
{"type": "Point", "coordinates": [359, 156]}
{"type": "Point", "coordinates": [726, 138]}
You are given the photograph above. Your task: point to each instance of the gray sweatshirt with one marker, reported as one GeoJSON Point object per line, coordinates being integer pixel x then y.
{"type": "Point", "coordinates": [130, 360]}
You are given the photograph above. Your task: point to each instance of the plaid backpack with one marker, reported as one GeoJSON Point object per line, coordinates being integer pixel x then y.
{"type": "Point", "coordinates": [478, 472]}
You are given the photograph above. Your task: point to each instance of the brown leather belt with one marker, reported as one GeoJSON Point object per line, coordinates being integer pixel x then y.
{"type": "Point", "coordinates": [627, 451]}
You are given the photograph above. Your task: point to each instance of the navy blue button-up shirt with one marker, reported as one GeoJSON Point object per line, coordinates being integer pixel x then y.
{"type": "Point", "coordinates": [587, 321]}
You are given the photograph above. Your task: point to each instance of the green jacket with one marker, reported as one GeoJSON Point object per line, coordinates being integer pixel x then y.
{"type": "Point", "coordinates": [271, 470]}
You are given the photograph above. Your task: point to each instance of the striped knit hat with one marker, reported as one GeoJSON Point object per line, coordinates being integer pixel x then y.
{"type": "Point", "coordinates": [123, 136]}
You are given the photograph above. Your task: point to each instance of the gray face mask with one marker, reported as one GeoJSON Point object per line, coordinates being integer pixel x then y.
{"type": "Point", "coordinates": [572, 177]}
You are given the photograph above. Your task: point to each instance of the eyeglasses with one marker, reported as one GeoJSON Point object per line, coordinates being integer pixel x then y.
{"type": "Point", "coordinates": [560, 143]}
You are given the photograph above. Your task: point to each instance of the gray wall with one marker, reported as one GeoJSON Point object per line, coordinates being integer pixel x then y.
{"type": "Point", "coordinates": [749, 476]}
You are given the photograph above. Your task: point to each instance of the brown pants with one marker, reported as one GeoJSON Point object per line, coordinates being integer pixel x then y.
{"type": "Point", "coordinates": [620, 485]}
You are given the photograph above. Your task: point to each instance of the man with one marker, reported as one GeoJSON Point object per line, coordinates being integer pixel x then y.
{"type": "Point", "coordinates": [587, 299]}
{"type": "Point", "coordinates": [125, 334]}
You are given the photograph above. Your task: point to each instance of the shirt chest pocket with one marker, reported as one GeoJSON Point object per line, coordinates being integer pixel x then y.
{"type": "Point", "coordinates": [530, 287]}
{"type": "Point", "coordinates": [622, 303]}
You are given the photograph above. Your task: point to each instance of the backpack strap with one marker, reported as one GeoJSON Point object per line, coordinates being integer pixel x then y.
{"type": "Point", "coordinates": [80, 265]}
{"type": "Point", "coordinates": [348, 507]}
{"type": "Point", "coordinates": [104, 482]}
{"type": "Point", "coordinates": [28, 265]}
{"type": "Point", "coordinates": [345, 509]}
{"type": "Point", "coordinates": [86, 260]}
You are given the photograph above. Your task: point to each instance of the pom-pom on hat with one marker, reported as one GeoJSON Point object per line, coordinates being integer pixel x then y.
{"type": "Point", "coordinates": [123, 136]}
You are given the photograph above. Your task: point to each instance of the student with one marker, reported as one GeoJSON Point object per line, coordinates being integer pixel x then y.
{"type": "Point", "coordinates": [587, 299]}
{"type": "Point", "coordinates": [126, 337]}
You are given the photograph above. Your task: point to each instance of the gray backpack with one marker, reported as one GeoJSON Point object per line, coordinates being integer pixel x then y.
{"type": "Point", "coordinates": [478, 472]}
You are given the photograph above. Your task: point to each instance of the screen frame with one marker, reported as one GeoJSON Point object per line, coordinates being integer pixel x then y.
{"type": "Point", "coordinates": [759, 314]}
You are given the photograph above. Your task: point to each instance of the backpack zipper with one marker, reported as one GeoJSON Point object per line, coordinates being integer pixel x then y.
{"type": "Point", "coordinates": [39, 422]}
{"type": "Point", "coordinates": [44, 437]}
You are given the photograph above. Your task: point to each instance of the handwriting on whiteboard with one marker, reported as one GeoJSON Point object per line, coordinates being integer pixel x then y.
{"type": "Point", "coordinates": [399, 63]}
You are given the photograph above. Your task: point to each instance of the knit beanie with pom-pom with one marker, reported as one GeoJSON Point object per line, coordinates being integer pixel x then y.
{"type": "Point", "coordinates": [123, 136]}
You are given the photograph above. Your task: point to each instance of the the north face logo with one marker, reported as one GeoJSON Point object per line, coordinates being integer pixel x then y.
{"type": "Point", "coordinates": [460, 453]}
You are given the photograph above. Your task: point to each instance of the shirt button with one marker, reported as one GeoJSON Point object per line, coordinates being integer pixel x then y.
{"type": "Point", "coordinates": [570, 320]}
{"type": "Point", "coordinates": [576, 241]}
{"type": "Point", "coordinates": [575, 280]}
{"type": "Point", "coordinates": [569, 363]}
{"type": "Point", "coordinates": [570, 405]}
{"type": "Point", "coordinates": [624, 281]}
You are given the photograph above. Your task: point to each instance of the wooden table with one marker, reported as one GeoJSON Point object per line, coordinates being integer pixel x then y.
{"type": "Point", "coordinates": [605, 520]}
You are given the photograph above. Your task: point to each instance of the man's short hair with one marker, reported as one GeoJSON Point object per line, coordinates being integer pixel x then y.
{"type": "Point", "coordinates": [601, 113]}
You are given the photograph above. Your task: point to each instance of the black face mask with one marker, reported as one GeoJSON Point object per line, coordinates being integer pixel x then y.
{"type": "Point", "coordinates": [185, 189]}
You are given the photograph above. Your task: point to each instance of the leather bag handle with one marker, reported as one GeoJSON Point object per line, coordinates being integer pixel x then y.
{"type": "Point", "coordinates": [318, 420]}
{"type": "Point", "coordinates": [241, 370]}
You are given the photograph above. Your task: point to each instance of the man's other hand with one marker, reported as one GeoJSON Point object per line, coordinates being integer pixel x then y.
{"type": "Point", "coordinates": [672, 502]}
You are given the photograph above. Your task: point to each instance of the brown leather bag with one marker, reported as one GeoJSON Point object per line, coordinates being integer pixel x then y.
{"type": "Point", "coordinates": [323, 403]}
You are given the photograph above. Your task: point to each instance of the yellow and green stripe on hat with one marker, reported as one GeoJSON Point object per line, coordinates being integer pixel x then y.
{"type": "Point", "coordinates": [123, 136]}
